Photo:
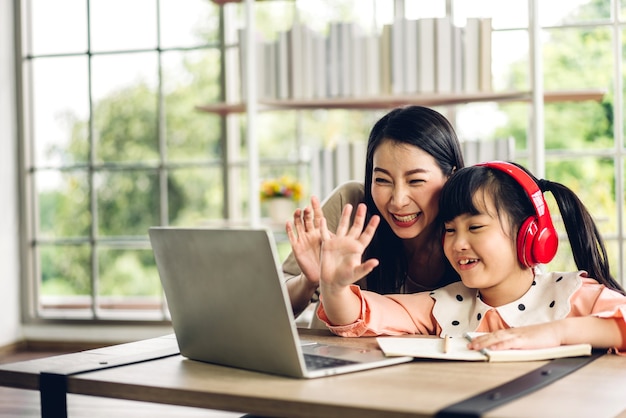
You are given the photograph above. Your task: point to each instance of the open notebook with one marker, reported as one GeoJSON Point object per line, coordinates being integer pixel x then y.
{"type": "Point", "coordinates": [229, 305]}
{"type": "Point", "coordinates": [456, 349]}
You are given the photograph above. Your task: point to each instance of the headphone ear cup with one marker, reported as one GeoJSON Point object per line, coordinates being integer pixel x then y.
{"type": "Point", "coordinates": [525, 242]}
{"type": "Point", "coordinates": [545, 245]}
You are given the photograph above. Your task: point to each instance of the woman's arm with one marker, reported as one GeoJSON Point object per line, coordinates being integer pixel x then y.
{"type": "Point", "coordinates": [341, 264]}
{"type": "Point", "coordinates": [599, 332]}
{"type": "Point", "coordinates": [305, 239]}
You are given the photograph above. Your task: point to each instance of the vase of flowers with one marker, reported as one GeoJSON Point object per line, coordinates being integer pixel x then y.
{"type": "Point", "coordinates": [281, 195]}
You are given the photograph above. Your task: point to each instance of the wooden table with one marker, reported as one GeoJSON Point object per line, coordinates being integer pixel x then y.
{"type": "Point", "coordinates": [151, 371]}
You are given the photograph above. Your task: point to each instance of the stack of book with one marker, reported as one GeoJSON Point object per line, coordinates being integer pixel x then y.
{"type": "Point", "coordinates": [409, 56]}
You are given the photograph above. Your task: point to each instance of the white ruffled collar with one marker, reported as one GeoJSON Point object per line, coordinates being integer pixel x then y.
{"type": "Point", "coordinates": [459, 309]}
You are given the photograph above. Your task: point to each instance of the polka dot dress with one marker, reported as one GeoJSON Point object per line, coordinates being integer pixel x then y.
{"type": "Point", "coordinates": [459, 309]}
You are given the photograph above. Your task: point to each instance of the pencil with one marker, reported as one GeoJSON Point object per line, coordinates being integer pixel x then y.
{"type": "Point", "coordinates": [446, 344]}
{"type": "Point", "coordinates": [483, 351]}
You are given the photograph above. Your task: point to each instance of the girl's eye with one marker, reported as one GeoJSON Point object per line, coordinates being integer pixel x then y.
{"type": "Point", "coordinates": [475, 227]}
{"type": "Point", "coordinates": [448, 230]}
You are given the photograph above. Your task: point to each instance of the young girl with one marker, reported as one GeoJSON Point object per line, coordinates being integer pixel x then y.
{"type": "Point", "coordinates": [497, 230]}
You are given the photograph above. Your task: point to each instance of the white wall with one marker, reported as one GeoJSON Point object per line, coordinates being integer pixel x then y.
{"type": "Point", "coordinates": [10, 330]}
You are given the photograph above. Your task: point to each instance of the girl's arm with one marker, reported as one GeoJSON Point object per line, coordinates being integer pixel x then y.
{"type": "Point", "coordinates": [599, 332]}
{"type": "Point", "coordinates": [341, 264]}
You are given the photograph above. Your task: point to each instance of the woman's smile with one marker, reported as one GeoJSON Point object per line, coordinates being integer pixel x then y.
{"type": "Point", "coordinates": [405, 220]}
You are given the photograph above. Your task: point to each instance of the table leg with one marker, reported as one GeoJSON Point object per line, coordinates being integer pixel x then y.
{"type": "Point", "coordinates": [53, 395]}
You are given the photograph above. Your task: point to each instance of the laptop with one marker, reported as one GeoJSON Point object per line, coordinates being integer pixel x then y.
{"type": "Point", "coordinates": [229, 305]}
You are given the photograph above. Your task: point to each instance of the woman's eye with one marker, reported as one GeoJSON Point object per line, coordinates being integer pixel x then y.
{"type": "Point", "coordinates": [416, 181]}
{"type": "Point", "coordinates": [381, 180]}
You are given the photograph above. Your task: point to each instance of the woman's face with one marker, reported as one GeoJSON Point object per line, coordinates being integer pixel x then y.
{"type": "Point", "coordinates": [406, 184]}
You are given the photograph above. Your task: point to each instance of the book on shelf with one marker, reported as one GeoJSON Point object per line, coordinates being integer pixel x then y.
{"type": "Point", "coordinates": [295, 61]}
{"type": "Point", "coordinates": [385, 59]}
{"type": "Point", "coordinates": [443, 53]}
{"type": "Point", "coordinates": [426, 55]}
{"type": "Point", "coordinates": [282, 66]}
{"type": "Point", "coordinates": [456, 349]}
{"type": "Point", "coordinates": [397, 57]}
{"type": "Point", "coordinates": [269, 70]}
{"type": "Point", "coordinates": [485, 55]}
{"type": "Point", "coordinates": [371, 65]}
{"type": "Point", "coordinates": [471, 56]}
{"type": "Point", "coordinates": [457, 59]}
{"type": "Point", "coordinates": [320, 63]}
{"type": "Point", "coordinates": [409, 29]}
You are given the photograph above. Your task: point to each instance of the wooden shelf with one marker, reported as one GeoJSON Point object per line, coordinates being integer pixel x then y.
{"type": "Point", "coordinates": [386, 102]}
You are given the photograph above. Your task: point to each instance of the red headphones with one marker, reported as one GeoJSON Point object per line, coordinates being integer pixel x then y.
{"type": "Point", "coordinates": [537, 240]}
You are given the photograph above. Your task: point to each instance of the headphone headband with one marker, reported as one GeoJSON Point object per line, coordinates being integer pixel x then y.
{"type": "Point", "coordinates": [537, 239]}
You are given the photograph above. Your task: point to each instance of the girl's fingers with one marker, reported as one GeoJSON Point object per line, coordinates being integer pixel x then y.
{"type": "Point", "coordinates": [324, 230]}
{"type": "Point", "coordinates": [359, 220]}
{"type": "Point", "coordinates": [370, 229]}
{"type": "Point", "coordinates": [344, 222]}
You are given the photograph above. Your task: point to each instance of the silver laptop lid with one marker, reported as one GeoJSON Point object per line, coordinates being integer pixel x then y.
{"type": "Point", "coordinates": [226, 299]}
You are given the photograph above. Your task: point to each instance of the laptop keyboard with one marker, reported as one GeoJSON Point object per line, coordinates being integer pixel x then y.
{"type": "Point", "coordinates": [314, 362]}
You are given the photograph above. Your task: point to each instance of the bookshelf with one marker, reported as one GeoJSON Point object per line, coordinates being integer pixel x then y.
{"type": "Point", "coordinates": [388, 102]}
{"type": "Point", "coordinates": [460, 90]}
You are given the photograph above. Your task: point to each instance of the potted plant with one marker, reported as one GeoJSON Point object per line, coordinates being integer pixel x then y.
{"type": "Point", "coordinates": [281, 194]}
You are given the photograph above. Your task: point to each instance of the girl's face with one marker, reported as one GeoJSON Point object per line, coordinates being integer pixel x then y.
{"type": "Point", "coordinates": [481, 249]}
{"type": "Point", "coordinates": [406, 184]}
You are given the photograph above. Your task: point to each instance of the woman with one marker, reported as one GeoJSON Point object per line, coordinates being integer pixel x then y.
{"type": "Point", "coordinates": [411, 152]}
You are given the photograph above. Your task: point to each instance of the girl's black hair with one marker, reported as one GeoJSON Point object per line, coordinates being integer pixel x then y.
{"type": "Point", "coordinates": [430, 131]}
{"type": "Point", "coordinates": [459, 194]}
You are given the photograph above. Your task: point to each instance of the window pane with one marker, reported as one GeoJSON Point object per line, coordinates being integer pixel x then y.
{"type": "Point", "coordinates": [123, 25]}
{"type": "Point", "coordinates": [196, 23]}
{"type": "Point", "coordinates": [195, 195]}
{"type": "Point", "coordinates": [128, 202]}
{"type": "Point", "coordinates": [579, 58]}
{"type": "Point", "coordinates": [68, 31]}
{"type": "Point", "coordinates": [63, 199]}
{"type": "Point", "coordinates": [60, 106]}
{"type": "Point", "coordinates": [593, 181]}
{"type": "Point", "coordinates": [578, 126]}
{"type": "Point", "coordinates": [128, 277]}
{"type": "Point", "coordinates": [125, 110]}
{"type": "Point", "coordinates": [559, 12]}
{"type": "Point", "coordinates": [65, 270]}
{"type": "Point", "coordinates": [191, 79]}
{"type": "Point", "coordinates": [510, 66]}
{"type": "Point", "coordinates": [504, 14]}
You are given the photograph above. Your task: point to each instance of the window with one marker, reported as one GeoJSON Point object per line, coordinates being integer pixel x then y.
{"type": "Point", "coordinates": [114, 142]}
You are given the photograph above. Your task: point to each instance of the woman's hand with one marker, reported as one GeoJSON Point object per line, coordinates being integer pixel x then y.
{"type": "Point", "coordinates": [305, 239]}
